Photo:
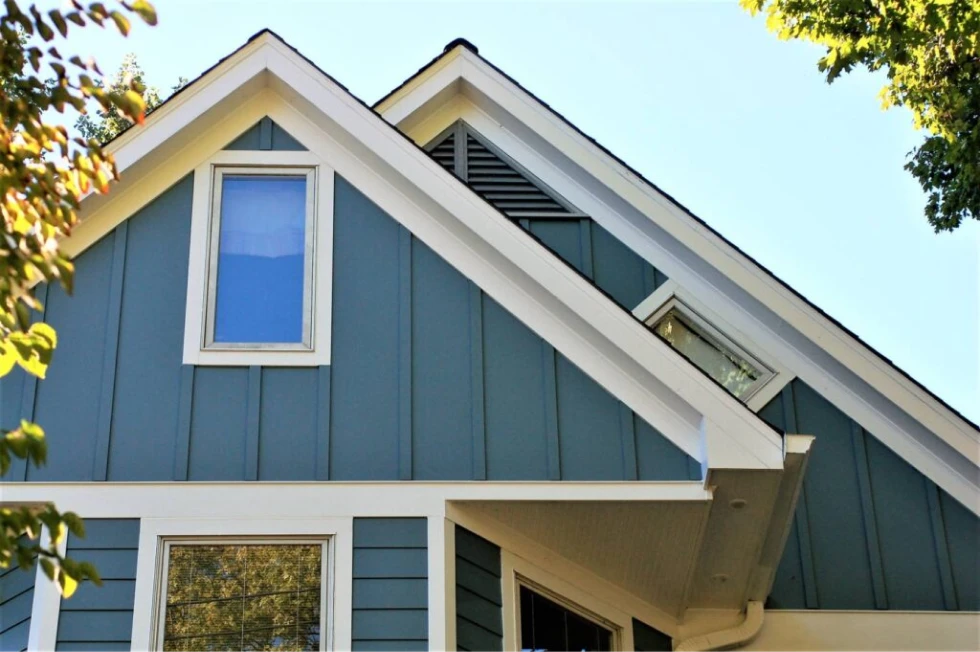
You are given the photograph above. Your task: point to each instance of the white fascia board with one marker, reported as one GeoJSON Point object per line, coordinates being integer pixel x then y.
{"type": "Point", "coordinates": [950, 454]}
{"type": "Point", "coordinates": [338, 499]}
{"type": "Point", "coordinates": [615, 338]}
{"type": "Point", "coordinates": [523, 276]}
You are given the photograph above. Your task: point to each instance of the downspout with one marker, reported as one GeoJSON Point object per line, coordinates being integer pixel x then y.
{"type": "Point", "coordinates": [733, 637]}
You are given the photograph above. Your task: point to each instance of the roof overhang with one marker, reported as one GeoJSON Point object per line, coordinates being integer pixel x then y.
{"type": "Point", "coordinates": [267, 77]}
{"type": "Point", "coordinates": [901, 413]}
{"type": "Point", "coordinates": [675, 556]}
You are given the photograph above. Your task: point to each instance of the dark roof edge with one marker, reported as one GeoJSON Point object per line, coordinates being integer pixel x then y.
{"type": "Point", "coordinates": [691, 214]}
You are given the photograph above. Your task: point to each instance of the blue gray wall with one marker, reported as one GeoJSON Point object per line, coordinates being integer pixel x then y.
{"type": "Point", "coordinates": [431, 379]}
{"type": "Point", "coordinates": [16, 599]}
{"type": "Point", "coordinates": [609, 264]}
{"type": "Point", "coordinates": [266, 135]}
{"type": "Point", "coordinates": [479, 623]}
{"type": "Point", "coordinates": [390, 601]}
{"type": "Point", "coordinates": [870, 531]}
{"type": "Point", "coordinates": [101, 618]}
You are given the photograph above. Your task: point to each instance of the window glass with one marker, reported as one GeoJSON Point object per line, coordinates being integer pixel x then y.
{"type": "Point", "coordinates": [735, 374]}
{"type": "Point", "coordinates": [243, 597]}
{"type": "Point", "coordinates": [261, 259]}
{"type": "Point", "coordinates": [546, 625]}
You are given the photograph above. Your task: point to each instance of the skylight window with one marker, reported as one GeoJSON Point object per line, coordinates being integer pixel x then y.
{"type": "Point", "coordinates": [709, 350]}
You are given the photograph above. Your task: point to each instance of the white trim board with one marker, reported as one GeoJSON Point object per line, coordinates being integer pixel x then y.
{"type": "Point", "coordinates": [523, 276]}
{"type": "Point", "coordinates": [301, 499]}
{"type": "Point", "coordinates": [904, 417]}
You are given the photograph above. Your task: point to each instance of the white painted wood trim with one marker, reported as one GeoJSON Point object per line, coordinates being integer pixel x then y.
{"type": "Point", "coordinates": [515, 568]}
{"type": "Point", "coordinates": [441, 584]}
{"type": "Point", "coordinates": [46, 606]}
{"type": "Point", "coordinates": [302, 499]}
{"type": "Point", "coordinates": [148, 567]}
{"type": "Point", "coordinates": [827, 629]}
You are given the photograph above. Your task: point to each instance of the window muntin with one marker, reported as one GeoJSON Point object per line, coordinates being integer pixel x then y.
{"type": "Point", "coordinates": [709, 350]}
{"type": "Point", "coordinates": [547, 625]}
{"type": "Point", "coordinates": [235, 595]}
{"type": "Point", "coordinates": [260, 272]}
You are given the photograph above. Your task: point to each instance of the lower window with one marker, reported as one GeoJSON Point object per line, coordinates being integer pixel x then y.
{"type": "Point", "coordinates": [243, 595]}
{"type": "Point", "coordinates": [548, 625]}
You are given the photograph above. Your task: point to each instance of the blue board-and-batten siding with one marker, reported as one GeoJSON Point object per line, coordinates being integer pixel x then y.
{"type": "Point", "coordinates": [390, 590]}
{"type": "Point", "coordinates": [870, 532]}
{"type": "Point", "coordinates": [479, 620]}
{"type": "Point", "coordinates": [16, 600]}
{"type": "Point", "coordinates": [101, 617]}
{"type": "Point", "coordinates": [432, 379]}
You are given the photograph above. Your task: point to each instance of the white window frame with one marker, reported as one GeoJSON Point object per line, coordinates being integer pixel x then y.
{"type": "Point", "coordinates": [517, 571]}
{"type": "Point", "coordinates": [168, 543]}
{"type": "Point", "coordinates": [309, 255]}
{"type": "Point", "coordinates": [157, 534]}
{"type": "Point", "coordinates": [199, 347]}
{"type": "Point", "coordinates": [671, 296]}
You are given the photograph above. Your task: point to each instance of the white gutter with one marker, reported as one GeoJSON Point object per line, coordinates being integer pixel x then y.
{"type": "Point", "coordinates": [728, 638]}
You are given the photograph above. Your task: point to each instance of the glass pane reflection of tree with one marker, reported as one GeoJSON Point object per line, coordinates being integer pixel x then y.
{"type": "Point", "coordinates": [546, 625]}
{"type": "Point", "coordinates": [243, 597]}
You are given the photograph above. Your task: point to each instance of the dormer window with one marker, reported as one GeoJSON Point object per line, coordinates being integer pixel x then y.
{"type": "Point", "coordinates": [260, 271]}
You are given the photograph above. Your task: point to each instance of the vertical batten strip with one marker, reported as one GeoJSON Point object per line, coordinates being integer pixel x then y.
{"type": "Point", "coordinates": [868, 517]}
{"type": "Point", "coordinates": [649, 278]}
{"type": "Point", "coordinates": [585, 246]}
{"type": "Point", "coordinates": [404, 354]}
{"type": "Point", "coordinates": [322, 465]}
{"type": "Point", "coordinates": [476, 380]}
{"type": "Point", "coordinates": [460, 162]}
{"type": "Point", "coordinates": [185, 401]}
{"type": "Point", "coordinates": [28, 392]}
{"type": "Point", "coordinates": [802, 519]}
{"type": "Point", "coordinates": [265, 133]}
{"type": "Point", "coordinates": [252, 422]}
{"type": "Point", "coordinates": [100, 466]}
{"type": "Point", "coordinates": [550, 372]}
{"type": "Point", "coordinates": [628, 434]}
{"type": "Point", "coordinates": [942, 546]}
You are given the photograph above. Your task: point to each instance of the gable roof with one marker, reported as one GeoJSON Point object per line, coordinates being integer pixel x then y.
{"type": "Point", "coordinates": [520, 273]}
{"type": "Point", "coordinates": [951, 460]}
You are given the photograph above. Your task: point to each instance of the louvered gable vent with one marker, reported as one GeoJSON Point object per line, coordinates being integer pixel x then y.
{"type": "Point", "coordinates": [511, 190]}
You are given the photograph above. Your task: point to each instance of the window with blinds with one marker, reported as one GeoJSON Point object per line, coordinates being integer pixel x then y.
{"type": "Point", "coordinates": [512, 191]}
{"type": "Point", "coordinates": [243, 596]}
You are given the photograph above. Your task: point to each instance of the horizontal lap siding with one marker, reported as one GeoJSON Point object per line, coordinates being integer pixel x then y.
{"type": "Point", "coordinates": [478, 597]}
{"type": "Point", "coordinates": [870, 531]}
{"type": "Point", "coordinates": [16, 598]}
{"type": "Point", "coordinates": [390, 590]}
{"type": "Point", "coordinates": [101, 617]}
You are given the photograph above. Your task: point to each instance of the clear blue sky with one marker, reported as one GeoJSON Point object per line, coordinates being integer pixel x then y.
{"type": "Point", "coordinates": [699, 97]}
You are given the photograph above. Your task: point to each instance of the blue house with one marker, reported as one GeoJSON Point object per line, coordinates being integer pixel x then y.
{"type": "Point", "coordinates": [443, 373]}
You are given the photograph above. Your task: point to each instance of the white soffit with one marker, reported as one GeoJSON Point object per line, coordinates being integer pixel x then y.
{"type": "Point", "coordinates": [916, 425]}
{"type": "Point", "coordinates": [519, 273]}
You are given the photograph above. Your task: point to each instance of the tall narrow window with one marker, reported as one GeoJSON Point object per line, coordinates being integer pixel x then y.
{"type": "Point", "coordinates": [547, 625]}
{"type": "Point", "coordinates": [260, 274]}
{"type": "Point", "coordinates": [243, 596]}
